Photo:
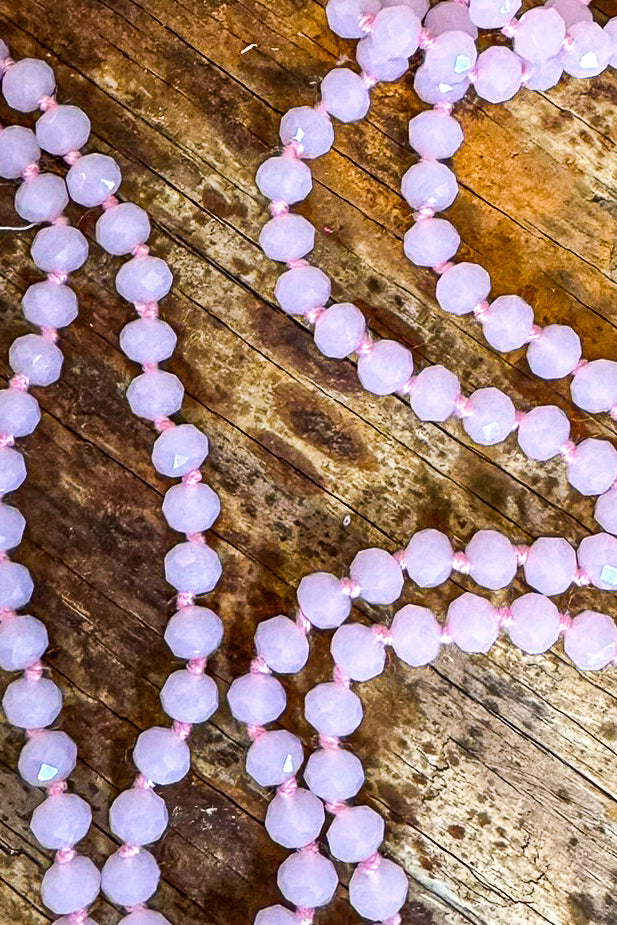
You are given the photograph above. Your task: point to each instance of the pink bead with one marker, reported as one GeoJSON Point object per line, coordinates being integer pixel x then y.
{"type": "Point", "coordinates": [378, 575]}
{"type": "Point", "coordinates": [590, 51]}
{"type": "Point", "coordinates": [378, 894]}
{"type": "Point", "coordinates": [434, 134]}
{"type": "Point", "coordinates": [307, 879]}
{"type": "Point", "coordinates": [551, 565]}
{"type": "Point", "coordinates": [309, 128]}
{"type": "Point", "coordinates": [345, 95]}
{"type": "Point", "coordinates": [334, 774]}
{"type": "Point", "coordinates": [284, 179]}
{"type": "Point", "coordinates": [451, 56]}
{"type": "Point", "coordinates": [594, 386]}
{"type": "Point", "coordinates": [428, 558]}
{"type": "Point", "coordinates": [491, 418]}
{"type": "Point", "coordinates": [332, 709]}
{"type": "Point", "coordinates": [555, 353]}
{"type": "Point", "coordinates": [302, 288]}
{"type": "Point", "coordinates": [161, 756]}
{"type": "Point", "coordinates": [539, 35]}
{"type": "Point", "coordinates": [355, 834]}
{"type": "Point", "coordinates": [416, 635]}
{"type": "Point", "coordinates": [507, 323]}
{"type": "Point", "coordinates": [256, 699]}
{"type": "Point", "coordinates": [282, 645]}
{"type": "Point", "coordinates": [386, 368]}
{"type": "Point", "coordinates": [492, 14]}
{"type": "Point", "coordinates": [70, 886]}
{"type": "Point", "coordinates": [433, 393]}
{"type": "Point", "coordinates": [593, 467]}
{"type": "Point", "coordinates": [543, 431]}
{"type": "Point", "coordinates": [597, 556]}
{"type": "Point", "coordinates": [499, 74]}
{"type": "Point", "coordinates": [437, 91]}
{"type": "Point", "coordinates": [369, 61]}
{"type": "Point", "coordinates": [472, 623]}
{"type": "Point", "coordinates": [431, 242]}
{"type": "Point", "coordinates": [534, 625]}
{"type": "Point", "coordinates": [129, 881]}
{"type": "Point", "coordinates": [41, 199]}
{"type": "Point", "coordinates": [395, 32]}
{"type": "Point", "coordinates": [606, 511]}
{"type": "Point", "coordinates": [323, 601]}
{"type": "Point", "coordinates": [344, 16]}
{"type": "Point", "coordinates": [274, 757]}
{"type": "Point", "coordinates": [492, 560]}
{"type": "Point", "coordinates": [287, 237]}
{"type": "Point", "coordinates": [339, 330]}
{"type": "Point", "coordinates": [461, 288]}
{"type": "Point", "coordinates": [294, 819]}
{"type": "Point", "coordinates": [429, 184]}
{"type": "Point", "coordinates": [26, 82]}
{"type": "Point", "coordinates": [590, 641]}
{"type": "Point", "coordinates": [449, 16]}
{"type": "Point", "coordinates": [358, 652]}
{"type": "Point", "coordinates": [547, 74]}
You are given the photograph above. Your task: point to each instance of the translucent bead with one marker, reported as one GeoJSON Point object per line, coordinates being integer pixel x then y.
{"type": "Point", "coordinates": [36, 358]}
{"type": "Point", "coordinates": [256, 699]}
{"type": "Point", "coordinates": [547, 74]}
{"type": "Point", "coordinates": [18, 149]}
{"type": "Point", "coordinates": [144, 279]}
{"type": "Point", "coordinates": [194, 632]}
{"type": "Point", "coordinates": [551, 565]}
{"type": "Point", "coordinates": [294, 819]}
{"type": "Point", "coordinates": [147, 340]}
{"type": "Point", "coordinates": [437, 91]}
{"type": "Point", "coordinates": [462, 287]}
{"type": "Point", "coordinates": [395, 32]}
{"type": "Point", "coordinates": [343, 16]}
{"type": "Point", "coordinates": [284, 179]}
{"type": "Point", "coordinates": [597, 556]}
{"type": "Point", "coordinates": [42, 198]}
{"type": "Point", "coordinates": [431, 242]}
{"type": "Point", "coordinates": [141, 917]}
{"type": "Point", "coordinates": [418, 7]}
{"type": "Point", "coordinates": [449, 16]}
{"type": "Point", "coordinates": [161, 756]}
{"type": "Point", "coordinates": [275, 915]}
{"type": "Point", "coordinates": [309, 128]}
{"type": "Point", "coordinates": [492, 14]}
{"type": "Point", "coordinates": [31, 704]}
{"type": "Point", "coordinates": [492, 417]}
{"type": "Point", "coordinates": [507, 323]}
{"type": "Point", "coordinates": [534, 624]}
{"type": "Point", "coordinates": [60, 248]}
{"type": "Point", "coordinates": [590, 641]}
{"type": "Point", "coordinates": [334, 774]}
{"type": "Point", "coordinates": [355, 834]}
{"type": "Point", "coordinates": [555, 353]}
{"type": "Point", "coordinates": [62, 129]}
{"type": "Point", "coordinates": [155, 394]}
{"type": "Point", "coordinates": [605, 512]}
{"type": "Point", "coordinates": [138, 816]}
{"type": "Point", "coordinates": [192, 567]}
{"type": "Point", "coordinates": [128, 881]}
{"type": "Point", "coordinates": [26, 82]}
{"type": "Point", "coordinates": [188, 697]}
{"type": "Point", "coordinates": [611, 30]}
{"type": "Point", "coordinates": [16, 585]}
{"type": "Point", "coordinates": [571, 11]}
{"type": "Point", "coordinates": [46, 758]}
{"type": "Point", "coordinates": [282, 645]}
{"type": "Point", "coordinates": [332, 709]}
{"type": "Point", "coordinates": [472, 623]}
{"type": "Point", "coordinates": [434, 134]}
{"type": "Point", "coordinates": [378, 894]}
{"type": "Point", "coordinates": [433, 393]}
{"type": "Point", "coordinates": [589, 52]}
{"type": "Point", "coordinates": [378, 574]}
{"type": "Point", "coordinates": [179, 450]}
{"type": "Point", "coordinates": [499, 74]}
{"type": "Point", "coordinates": [386, 368]}
{"type": "Point", "coordinates": [492, 560]}
{"type": "Point", "coordinates": [274, 757]}
{"type": "Point", "coordinates": [358, 652]}
{"type": "Point", "coordinates": [287, 237]}
{"type": "Point", "coordinates": [416, 635]}
{"type": "Point", "coordinates": [428, 558]}
{"type": "Point", "coordinates": [301, 288]}
{"type": "Point", "coordinates": [543, 431]}
{"type": "Point", "coordinates": [429, 184]}
{"type": "Point", "coordinates": [592, 469]}
{"type": "Point", "coordinates": [23, 639]}
{"type": "Point", "coordinates": [61, 821]}
{"type": "Point", "coordinates": [339, 330]}
{"type": "Point", "coordinates": [323, 601]}
{"type": "Point", "coordinates": [191, 508]}
{"type": "Point", "coordinates": [121, 229]}
{"type": "Point", "coordinates": [307, 879]}
{"type": "Point", "coordinates": [451, 56]}
{"type": "Point", "coordinates": [12, 469]}
{"type": "Point", "coordinates": [49, 305]}
{"type": "Point", "coordinates": [345, 95]}
{"type": "Point", "coordinates": [92, 179]}
{"type": "Point", "coordinates": [70, 886]}
{"type": "Point", "coordinates": [369, 61]}
{"type": "Point", "coordinates": [594, 386]}
{"type": "Point", "coordinates": [12, 524]}
{"type": "Point", "coordinates": [539, 34]}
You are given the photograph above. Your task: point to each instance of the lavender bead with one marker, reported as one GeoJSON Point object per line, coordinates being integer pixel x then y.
{"type": "Point", "coordinates": [433, 393]}
{"type": "Point", "coordinates": [92, 179]}
{"type": "Point", "coordinates": [507, 323]}
{"type": "Point", "coordinates": [571, 11]}
{"type": "Point", "coordinates": [323, 601]}
{"type": "Point", "coordinates": [161, 756]}
{"type": "Point", "coordinates": [378, 894]}
{"type": "Point", "coordinates": [179, 450]}
{"type": "Point", "coordinates": [492, 560]}
{"type": "Point", "coordinates": [334, 774]}
{"type": "Point", "coordinates": [12, 469]}
{"type": "Point", "coordinates": [355, 834]}
{"type": "Point", "coordinates": [26, 82]}
{"type": "Point", "coordinates": [597, 556]}
{"type": "Point", "coordinates": [23, 639]}
{"type": "Point", "coordinates": [36, 358]}
{"type": "Point", "coordinates": [16, 585]}
{"type": "Point", "coordinates": [307, 879]}
{"type": "Point", "coordinates": [492, 14]}
{"type": "Point", "coordinates": [428, 558]}
{"type": "Point", "coordinates": [492, 417]}
{"type": "Point", "coordinates": [123, 228]}
{"type": "Point", "coordinates": [287, 237]}
{"type": "Point", "coordinates": [282, 645]}
{"type": "Point", "coordinates": [332, 709]}
{"type": "Point", "coordinates": [141, 917]}
{"type": "Point", "coordinates": [551, 565]}
{"type": "Point", "coordinates": [194, 632]}
{"type": "Point", "coordinates": [70, 886]}
{"type": "Point", "coordinates": [499, 74]}
{"type": "Point", "coordinates": [539, 35]}
{"type": "Point", "coordinates": [594, 386]}
{"type": "Point", "coordinates": [386, 368]}
{"type": "Point", "coordinates": [344, 15]}
{"type": "Point", "coordinates": [12, 524]}
{"type": "Point", "coordinates": [369, 61]}
{"type": "Point", "coordinates": [378, 574]}
{"type": "Point", "coordinates": [31, 704]}
{"type": "Point", "coordinates": [450, 57]}
{"type": "Point", "coordinates": [18, 149]}
{"type": "Point", "coordinates": [592, 469]}
{"type": "Point", "coordinates": [605, 511]}
{"type": "Point", "coordinates": [191, 508]}
{"type": "Point", "coordinates": [284, 179]}
{"type": "Point", "coordinates": [429, 184]}
{"type": "Point", "coordinates": [590, 51]}
{"type": "Point", "coordinates": [62, 129]}
{"type": "Point", "coordinates": [339, 330]}
{"type": "Point", "coordinates": [611, 30]}
{"type": "Point", "coordinates": [590, 641]}
{"type": "Point", "coordinates": [431, 242]}
{"type": "Point", "coordinates": [395, 32]}
{"type": "Point", "coordinates": [555, 353]}
{"type": "Point", "coordinates": [434, 134]}
{"type": "Point", "coordinates": [534, 624]}
{"type": "Point", "coordinates": [543, 431]}
{"type": "Point", "coordinates": [301, 288]}
{"type": "Point", "coordinates": [42, 198]}
{"type": "Point", "coordinates": [155, 394]}
{"type": "Point", "coordinates": [547, 74]}
{"type": "Point", "coordinates": [61, 821]}
{"type": "Point", "coordinates": [46, 758]}
{"type": "Point", "coordinates": [308, 128]}
{"type": "Point", "coordinates": [274, 757]}
{"type": "Point", "coordinates": [192, 567]}
{"type": "Point", "coordinates": [437, 91]}
{"type": "Point", "coordinates": [256, 699]}
{"type": "Point", "coordinates": [48, 305]}
{"type": "Point", "coordinates": [295, 819]}
{"type": "Point", "coordinates": [147, 340]}
{"type": "Point", "coordinates": [461, 288]}
{"type": "Point", "coordinates": [128, 881]}
{"type": "Point", "coordinates": [188, 697]}
{"type": "Point", "coordinates": [144, 279]}
{"type": "Point", "coordinates": [472, 623]}
{"type": "Point", "coordinates": [449, 16]}
{"type": "Point", "coordinates": [344, 95]}
{"type": "Point", "coordinates": [418, 7]}
{"type": "Point", "coordinates": [416, 635]}
{"type": "Point", "coordinates": [358, 652]}
{"type": "Point", "coordinates": [275, 915]}
{"type": "Point", "coordinates": [60, 248]}
{"type": "Point", "coordinates": [138, 816]}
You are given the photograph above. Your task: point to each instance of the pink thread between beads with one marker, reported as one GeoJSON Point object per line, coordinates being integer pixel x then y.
{"type": "Point", "coordinates": [109, 203]}
{"type": "Point", "coordinates": [19, 382]}
{"type": "Point", "coordinates": [339, 678]}
{"type": "Point", "coordinates": [567, 450]}
{"type": "Point", "coordinates": [293, 149]}
{"type": "Point", "coordinates": [440, 268]}
{"type": "Point", "coordinates": [278, 207]}
{"type": "Point", "coordinates": [182, 730]}
{"type": "Point", "coordinates": [426, 40]}
{"type": "Point", "coordinates": [338, 806]}
{"type": "Point", "coordinates": [303, 622]}
{"type": "Point", "coordinates": [312, 315]}
{"type": "Point", "coordinates": [290, 786]}
{"type": "Point", "coordinates": [162, 424]}
{"type": "Point", "coordinates": [481, 309]}
{"type": "Point", "coordinates": [350, 587]}
{"type": "Point", "coordinates": [64, 855]}
{"type": "Point", "coordinates": [565, 621]}
{"type": "Point", "coordinates": [399, 555]}
{"type": "Point", "coordinates": [462, 406]}
{"type": "Point", "coordinates": [196, 665]}
{"type": "Point", "coordinates": [369, 80]}
{"type": "Point", "coordinates": [192, 478]}
{"type": "Point", "coordinates": [150, 366]}
{"type": "Point", "coordinates": [30, 171]}
{"type": "Point", "coordinates": [521, 552]}
{"type": "Point", "coordinates": [581, 578]}
{"type": "Point", "coordinates": [613, 413]}
{"type": "Point", "coordinates": [295, 264]}
{"type": "Point", "coordinates": [58, 277]}
{"type": "Point", "coordinates": [140, 250]}
{"type": "Point", "coordinates": [78, 918]}
{"type": "Point", "coordinates": [366, 344]}
{"type": "Point", "coordinates": [504, 615]}
{"type": "Point", "coordinates": [535, 332]}
{"type": "Point", "coordinates": [383, 633]}
{"type": "Point", "coordinates": [460, 563]}
{"type": "Point", "coordinates": [7, 613]}
{"type": "Point", "coordinates": [50, 334]}
{"type": "Point", "coordinates": [329, 742]}
{"type": "Point", "coordinates": [128, 851]}
{"type": "Point", "coordinates": [5, 64]}
{"type": "Point", "coordinates": [371, 864]}
{"type": "Point", "coordinates": [254, 732]}
{"type": "Point", "coordinates": [196, 538]}
{"type": "Point", "coordinates": [366, 22]}
{"type": "Point", "coordinates": [34, 672]}
{"type": "Point", "coordinates": [57, 789]}
{"type": "Point", "coordinates": [304, 916]}
{"type": "Point", "coordinates": [445, 635]}
{"type": "Point", "coordinates": [510, 28]}
{"type": "Point", "coordinates": [184, 599]}
{"type": "Point", "coordinates": [140, 907]}
{"type": "Point", "coordinates": [48, 102]}
{"type": "Point", "coordinates": [443, 106]}
{"type": "Point", "coordinates": [258, 666]}
{"type": "Point", "coordinates": [519, 417]}
{"type": "Point", "coordinates": [147, 309]}
{"type": "Point", "coordinates": [423, 213]}
{"type": "Point", "coordinates": [142, 783]}
{"type": "Point", "coordinates": [407, 387]}
{"type": "Point", "coordinates": [71, 157]}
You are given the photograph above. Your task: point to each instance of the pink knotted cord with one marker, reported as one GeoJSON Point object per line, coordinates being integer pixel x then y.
{"type": "Point", "coordinates": [567, 450]}
{"type": "Point", "coordinates": [254, 732]}
{"type": "Point", "coordinates": [305, 916]}
{"type": "Point", "coordinates": [72, 157]}
{"type": "Point", "coordinates": [182, 730]}
{"type": "Point", "coordinates": [48, 102]}
{"type": "Point", "coordinates": [140, 250]}
{"type": "Point", "coordinates": [481, 309]}
{"type": "Point", "coordinates": [64, 855]}
{"type": "Point", "coordinates": [303, 622]}
{"type": "Point", "coordinates": [196, 665]}
{"type": "Point", "coordinates": [162, 424]}
{"type": "Point", "coordinates": [34, 672]}
{"type": "Point", "coordinates": [57, 789]}
{"type": "Point", "coordinates": [407, 387]}
{"type": "Point", "coordinates": [128, 851]}
{"type": "Point", "coordinates": [399, 555]}
{"type": "Point", "coordinates": [196, 538]}
{"type": "Point", "coordinates": [109, 203]}
{"type": "Point", "coordinates": [295, 264]}
{"type": "Point", "coordinates": [396, 918]}
{"type": "Point", "coordinates": [581, 578]}
{"type": "Point", "coordinates": [568, 42]}
{"type": "Point", "coordinates": [140, 907]}
{"type": "Point", "coordinates": [504, 615]}
{"type": "Point", "coordinates": [565, 621]}
{"type": "Point", "coordinates": [424, 212]}
{"type": "Point", "coordinates": [338, 806]}
{"type": "Point", "coordinates": [30, 171]}
{"type": "Point", "coordinates": [312, 315]}
{"type": "Point", "coordinates": [5, 64]}
{"type": "Point", "coordinates": [147, 309]}
{"type": "Point", "coordinates": [371, 864]}
{"type": "Point", "coordinates": [58, 277]}
{"type": "Point", "coordinates": [339, 678]}
{"type": "Point", "coordinates": [579, 366]}
{"type": "Point", "coordinates": [519, 417]}
{"type": "Point", "coordinates": [460, 563]}
{"type": "Point", "coordinates": [426, 40]}
{"type": "Point", "coordinates": [78, 918]}
{"type": "Point", "coordinates": [329, 742]}
{"type": "Point", "coordinates": [50, 334]}
{"type": "Point", "coordinates": [192, 478]}
{"type": "Point", "coordinates": [149, 366]}
{"type": "Point", "coordinates": [320, 107]}
{"type": "Point", "coordinates": [366, 22]}
{"type": "Point", "coordinates": [369, 80]}
{"type": "Point", "coordinates": [60, 220]}
{"type": "Point", "coordinates": [7, 440]}
{"type": "Point", "coordinates": [462, 406]}
{"type": "Point", "coordinates": [19, 382]}
{"type": "Point", "coordinates": [258, 666]}
{"type": "Point", "coordinates": [510, 28]}
{"type": "Point", "coordinates": [472, 75]}
{"type": "Point", "coordinates": [441, 268]}
{"type": "Point", "coordinates": [535, 333]}
{"type": "Point", "coordinates": [278, 207]}
{"type": "Point", "coordinates": [383, 633]}
{"type": "Point", "coordinates": [366, 344]}
{"type": "Point", "coordinates": [293, 149]}
{"type": "Point", "coordinates": [7, 613]}
{"type": "Point", "coordinates": [350, 587]}
{"type": "Point", "coordinates": [521, 553]}
{"type": "Point", "coordinates": [142, 783]}
{"type": "Point", "coordinates": [184, 599]}
{"type": "Point", "coordinates": [443, 106]}
{"type": "Point", "coordinates": [288, 787]}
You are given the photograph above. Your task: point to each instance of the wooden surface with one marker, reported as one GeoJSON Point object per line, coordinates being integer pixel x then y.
{"type": "Point", "coordinates": [497, 775]}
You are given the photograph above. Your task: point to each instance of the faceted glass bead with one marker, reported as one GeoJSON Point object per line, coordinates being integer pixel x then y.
{"type": "Point", "coordinates": [332, 709]}
{"type": "Point", "coordinates": [428, 558]}
{"type": "Point", "coordinates": [179, 450]}
{"type": "Point", "coordinates": [449, 16]}
{"type": "Point", "coordinates": [450, 57]}
{"type": "Point", "coordinates": [282, 645]}
{"type": "Point", "coordinates": [284, 179]}
{"type": "Point", "coordinates": [507, 323]}
{"type": "Point", "coordinates": [378, 894]}
{"type": "Point", "coordinates": [301, 288]}
{"type": "Point", "coordinates": [69, 920]}
{"type": "Point", "coordinates": [345, 95]}
{"type": "Point", "coordinates": [128, 881]}
{"type": "Point", "coordinates": [344, 15]}
{"type": "Point", "coordinates": [12, 469]}
{"type": "Point", "coordinates": [547, 74]}
{"type": "Point", "coordinates": [355, 834]}
{"type": "Point", "coordinates": [256, 699]}
{"type": "Point", "coordinates": [138, 816]}
{"type": "Point", "coordinates": [334, 774]}
{"type": "Point", "coordinates": [593, 467]}
{"type": "Point", "coordinates": [36, 358]}
{"type": "Point", "coordinates": [60, 248]}
{"type": "Point", "coordinates": [431, 242]}
{"type": "Point", "coordinates": [142, 917]}
{"type": "Point", "coordinates": [590, 51]}
{"type": "Point", "coordinates": [155, 394]}
{"type": "Point", "coordinates": [275, 915]}
{"type": "Point", "coordinates": [416, 635]}
{"type": "Point", "coordinates": [429, 184]}
{"type": "Point", "coordinates": [611, 30]}
{"type": "Point", "coordinates": [395, 32]}
{"type": "Point", "coordinates": [192, 567]}
{"type": "Point", "coordinates": [543, 431]}
{"type": "Point", "coordinates": [433, 393]}
{"type": "Point", "coordinates": [378, 574]}
{"type": "Point", "coordinates": [62, 129]}
{"type": "Point", "coordinates": [26, 82]}
{"type": "Point", "coordinates": [308, 128]}
{"type": "Point", "coordinates": [147, 340]}
{"type": "Point", "coordinates": [23, 639]}
{"type": "Point", "coordinates": [369, 61]}
{"type": "Point", "coordinates": [605, 512]}
{"type": "Point", "coordinates": [18, 149]}
{"type": "Point", "coordinates": [462, 287]}
{"type": "Point", "coordinates": [534, 626]}
{"type": "Point", "coordinates": [551, 565]}
{"type": "Point", "coordinates": [294, 819]}
{"type": "Point", "coordinates": [418, 7]}
{"type": "Point", "coordinates": [71, 886]}
{"type": "Point", "coordinates": [492, 14]}
{"type": "Point", "coordinates": [571, 11]}
{"type": "Point", "coordinates": [46, 758]}
{"type": "Point", "coordinates": [30, 704]}
{"type": "Point", "coordinates": [472, 623]}
{"type": "Point", "coordinates": [144, 279]}
{"type": "Point", "coordinates": [194, 632]}
{"type": "Point", "coordinates": [121, 229]}
{"type": "Point", "coordinates": [386, 368]}
{"type": "Point", "coordinates": [188, 697]}
{"type": "Point", "coordinates": [500, 74]}
{"type": "Point", "coordinates": [597, 556]}
{"type": "Point", "coordinates": [16, 585]}
{"type": "Point", "coordinates": [437, 91]}
{"type": "Point", "coordinates": [358, 652]}
{"type": "Point", "coordinates": [49, 305]}
{"type": "Point", "coordinates": [434, 134]}
{"type": "Point", "coordinates": [594, 386]}
{"type": "Point", "coordinates": [307, 879]}
{"type": "Point", "coordinates": [492, 417]}
{"type": "Point", "coordinates": [539, 34]}
{"type": "Point", "coordinates": [12, 524]}
{"type": "Point", "coordinates": [92, 179]}
{"type": "Point", "coordinates": [322, 600]}
{"type": "Point", "coordinates": [42, 198]}
{"type": "Point", "coordinates": [339, 330]}
{"type": "Point", "coordinates": [555, 353]}
{"type": "Point", "coordinates": [492, 560]}
{"type": "Point", "coordinates": [274, 757]}
{"type": "Point", "coordinates": [161, 756]}
{"type": "Point", "coordinates": [287, 237]}
{"type": "Point", "coordinates": [590, 641]}
{"type": "Point", "coordinates": [61, 821]}
{"type": "Point", "coordinates": [191, 508]}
